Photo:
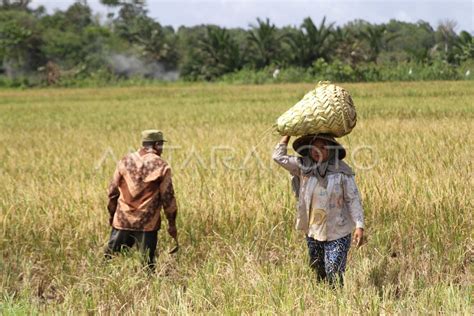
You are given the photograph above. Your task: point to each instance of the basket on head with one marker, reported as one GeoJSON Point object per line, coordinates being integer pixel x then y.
{"type": "Point", "coordinates": [327, 109]}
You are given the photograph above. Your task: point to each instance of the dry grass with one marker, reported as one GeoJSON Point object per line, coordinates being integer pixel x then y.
{"type": "Point", "coordinates": [240, 252]}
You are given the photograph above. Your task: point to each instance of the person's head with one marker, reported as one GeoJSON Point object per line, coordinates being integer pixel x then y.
{"type": "Point", "coordinates": [319, 147]}
{"type": "Point", "coordinates": [158, 146]}
{"type": "Point", "coordinates": [153, 138]}
{"type": "Point", "coordinates": [319, 150]}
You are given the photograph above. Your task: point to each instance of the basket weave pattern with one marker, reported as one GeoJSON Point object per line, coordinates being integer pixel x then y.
{"type": "Point", "coordinates": [326, 109]}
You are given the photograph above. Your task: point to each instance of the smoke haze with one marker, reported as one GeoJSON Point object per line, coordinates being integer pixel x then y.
{"type": "Point", "coordinates": [131, 66]}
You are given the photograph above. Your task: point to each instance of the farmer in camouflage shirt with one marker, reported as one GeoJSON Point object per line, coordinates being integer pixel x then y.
{"type": "Point", "coordinates": [140, 187]}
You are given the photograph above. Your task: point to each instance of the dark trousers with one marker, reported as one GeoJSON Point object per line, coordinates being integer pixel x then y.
{"type": "Point", "coordinates": [124, 239]}
{"type": "Point", "coordinates": [328, 258]}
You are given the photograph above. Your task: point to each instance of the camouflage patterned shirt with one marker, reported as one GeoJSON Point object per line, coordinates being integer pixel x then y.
{"type": "Point", "coordinates": [140, 187]}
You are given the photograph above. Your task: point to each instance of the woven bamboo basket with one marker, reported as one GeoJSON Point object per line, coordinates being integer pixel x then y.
{"type": "Point", "coordinates": [326, 109]}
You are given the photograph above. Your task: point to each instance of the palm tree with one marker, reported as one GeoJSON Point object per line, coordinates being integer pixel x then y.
{"type": "Point", "coordinates": [220, 51]}
{"type": "Point", "coordinates": [464, 46]}
{"type": "Point", "coordinates": [375, 37]}
{"type": "Point", "coordinates": [347, 47]}
{"type": "Point", "coordinates": [214, 54]}
{"type": "Point", "coordinates": [311, 42]}
{"type": "Point", "coordinates": [157, 45]}
{"type": "Point", "coordinates": [318, 38]}
{"type": "Point", "coordinates": [447, 33]}
{"type": "Point", "coordinates": [266, 42]}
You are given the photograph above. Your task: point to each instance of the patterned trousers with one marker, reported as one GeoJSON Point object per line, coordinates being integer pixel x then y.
{"type": "Point", "coordinates": [328, 258]}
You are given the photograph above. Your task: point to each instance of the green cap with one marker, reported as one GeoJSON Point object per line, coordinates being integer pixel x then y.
{"type": "Point", "coordinates": [152, 135]}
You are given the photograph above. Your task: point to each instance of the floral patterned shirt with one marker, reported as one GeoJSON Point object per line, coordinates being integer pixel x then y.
{"type": "Point", "coordinates": [140, 187]}
{"type": "Point", "coordinates": [328, 208]}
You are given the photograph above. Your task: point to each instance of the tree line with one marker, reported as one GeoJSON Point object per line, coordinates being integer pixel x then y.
{"type": "Point", "coordinates": [75, 44]}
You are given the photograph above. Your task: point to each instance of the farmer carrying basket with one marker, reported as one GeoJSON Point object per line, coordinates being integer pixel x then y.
{"type": "Point", "coordinates": [329, 205]}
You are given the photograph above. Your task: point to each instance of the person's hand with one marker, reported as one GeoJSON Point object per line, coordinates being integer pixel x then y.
{"type": "Point", "coordinates": [358, 237]}
{"type": "Point", "coordinates": [285, 140]}
{"type": "Point", "coordinates": [173, 232]}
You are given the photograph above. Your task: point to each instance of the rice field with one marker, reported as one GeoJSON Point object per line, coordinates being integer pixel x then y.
{"type": "Point", "coordinates": [411, 150]}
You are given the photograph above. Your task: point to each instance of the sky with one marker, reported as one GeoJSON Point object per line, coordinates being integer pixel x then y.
{"type": "Point", "coordinates": [241, 13]}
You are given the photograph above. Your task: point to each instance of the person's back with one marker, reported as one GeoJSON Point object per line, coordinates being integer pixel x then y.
{"type": "Point", "coordinates": [140, 187]}
{"type": "Point", "coordinates": [143, 180]}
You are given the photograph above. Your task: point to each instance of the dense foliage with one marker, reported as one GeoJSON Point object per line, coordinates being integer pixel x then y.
{"type": "Point", "coordinates": [75, 46]}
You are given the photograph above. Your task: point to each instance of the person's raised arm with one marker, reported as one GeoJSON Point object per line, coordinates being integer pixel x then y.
{"type": "Point", "coordinates": [281, 157]}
